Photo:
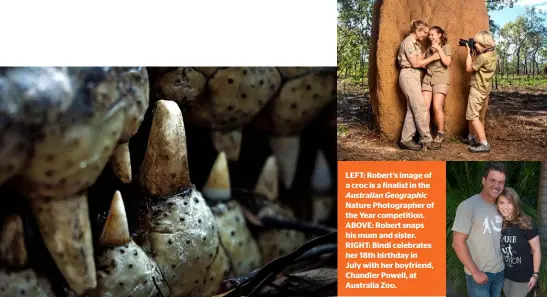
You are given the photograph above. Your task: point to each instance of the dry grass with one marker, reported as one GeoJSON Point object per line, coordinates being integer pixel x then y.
{"type": "Point", "coordinates": [516, 127]}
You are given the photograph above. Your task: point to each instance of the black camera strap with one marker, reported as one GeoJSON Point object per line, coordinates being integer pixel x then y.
{"type": "Point", "coordinates": [477, 53]}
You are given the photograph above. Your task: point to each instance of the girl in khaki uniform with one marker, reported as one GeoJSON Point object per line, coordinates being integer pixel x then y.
{"type": "Point", "coordinates": [437, 78]}
{"type": "Point", "coordinates": [411, 59]}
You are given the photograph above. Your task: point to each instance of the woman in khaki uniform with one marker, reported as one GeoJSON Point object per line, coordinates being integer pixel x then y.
{"type": "Point", "coordinates": [411, 59]}
{"type": "Point", "coordinates": [437, 78]}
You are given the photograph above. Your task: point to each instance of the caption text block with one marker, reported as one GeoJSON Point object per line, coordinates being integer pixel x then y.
{"type": "Point", "coordinates": [391, 228]}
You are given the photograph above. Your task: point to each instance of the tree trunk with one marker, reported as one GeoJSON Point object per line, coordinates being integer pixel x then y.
{"type": "Point", "coordinates": [535, 63]}
{"type": "Point", "coordinates": [506, 63]}
{"type": "Point", "coordinates": [503, 62]}
{"type": "Point", "coordinates": [518, 61]}
{"type": "Point", "coordinates": [362, 70]}
{"type": "Point", "coordinates": [542, 204]}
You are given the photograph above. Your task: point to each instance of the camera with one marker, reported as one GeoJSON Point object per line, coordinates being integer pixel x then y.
{"type": "Point", "coordinates": [470, 42]}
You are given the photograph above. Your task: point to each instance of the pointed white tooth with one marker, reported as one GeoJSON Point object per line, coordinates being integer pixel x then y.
{"type": "Point", "coordinates": [66, 231]}
{"type": "Point", "coordinates": [286, 150]}
{"type": "Point", "coordinates": [121, 162]}
{"type": "Point", "coordinates": [116, 230]}
{"type": "Point", "coordinates": [321, 179]}
{"type": "Point", "coordinates": [267, 183]}
{"type": "Point", "coordinates": [164, 170]}
{"type": "Point", "coordinates": [228, 142]}
{"type": "Point", "coordinates": [22, 280]}
{"type": "Point", "coordinates": [321, 184]}
{"type": "Point", "coordinates": [218, 183]}
{"type": "Point", "coordinates": [12, 242]}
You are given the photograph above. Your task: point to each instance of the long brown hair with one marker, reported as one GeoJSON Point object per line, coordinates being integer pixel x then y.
{"type": "Point", "coordinates": [517, 217]}
{"type": "Point", "coordinates": [443, 35]}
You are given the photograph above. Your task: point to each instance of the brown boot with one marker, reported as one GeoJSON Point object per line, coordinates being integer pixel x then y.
{"type": "Point", "coordinates": [411, 145]}
{"type": "Point", "coordinates": [439, 138]}
{"type": "Point", "coordinates": [432, 145]}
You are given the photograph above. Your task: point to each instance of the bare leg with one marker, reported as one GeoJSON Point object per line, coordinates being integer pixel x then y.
{"type": "Point", "coordinates": [479, 129]}
{"type": "Point", "coordinates": [438, 108]}
{"type": "Point", "coordinates": [427, 99]}
{"type": "Point", "coordinates": [472, 131]}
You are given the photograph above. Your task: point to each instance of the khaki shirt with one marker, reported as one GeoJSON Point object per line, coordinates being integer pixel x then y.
{"type": "Point", "coordinates": [409, 47]}
{"type": "Point", "coordinates": [437, 72]}
{"type": "Point", "coordinates": [484, 66]}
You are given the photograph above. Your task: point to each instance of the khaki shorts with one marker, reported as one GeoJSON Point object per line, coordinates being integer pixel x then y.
{"type": "Point", "coordinates": [442, 89]}
{"type": "Point", "coordinates": [474, 104]}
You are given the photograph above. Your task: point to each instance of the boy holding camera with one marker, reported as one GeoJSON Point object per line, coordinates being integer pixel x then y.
{"type": "Point", "coordinates": [482, 64]}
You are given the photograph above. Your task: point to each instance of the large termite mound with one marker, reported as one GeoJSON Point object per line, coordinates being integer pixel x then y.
{"type": "Point", "coordinates": [390, 25]}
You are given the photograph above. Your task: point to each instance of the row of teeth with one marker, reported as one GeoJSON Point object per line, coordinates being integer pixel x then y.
{"type": "Point", "coordinates": [73, 253]}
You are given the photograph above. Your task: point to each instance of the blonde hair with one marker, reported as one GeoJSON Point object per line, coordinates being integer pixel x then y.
{"type": "Point", "coordinates": [417, 25]}
{"type": "Point", "coordinates": [517, 217]}
{"type": "Point", "coordinates": [485, 39]}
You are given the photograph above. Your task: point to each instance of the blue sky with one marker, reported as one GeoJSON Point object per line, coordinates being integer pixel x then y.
{"type": "Point", "coordinates": [509, 14]}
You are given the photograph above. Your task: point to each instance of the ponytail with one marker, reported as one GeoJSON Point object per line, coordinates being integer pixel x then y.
{"type": "Point", "coordinates": [417, 25]}
{"type": "Point", "coordinates": [443, 38]}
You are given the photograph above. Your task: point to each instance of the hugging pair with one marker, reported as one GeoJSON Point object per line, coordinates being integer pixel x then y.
{"type": "Point", "coordinates": [481, 62]}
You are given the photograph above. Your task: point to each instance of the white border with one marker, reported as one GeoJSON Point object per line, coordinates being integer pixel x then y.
{"type": "Point", "coordinates": [168, 33]}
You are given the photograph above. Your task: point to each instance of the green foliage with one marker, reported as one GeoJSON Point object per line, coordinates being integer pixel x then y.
{"type": "Point", "coordinates": [493, 5]}
{"type": "Point", "coordinates": [353, 44]}
{"type": "Point", "coordinates": [463, 181]}
{"type": "Point", "coordinates": [521, 44]}
{"type": "Point", "coordinates": [341, 129]}
{"type": "Point", "coordinates": [494, 28]}
{"type": "Point", "coordinates": [499, 4]}
{"type": "Point", "coordinates": [523, 81]}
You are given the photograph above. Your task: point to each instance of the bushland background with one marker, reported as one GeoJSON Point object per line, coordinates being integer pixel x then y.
{"type": "Point", "coordinates": [517, 111]}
